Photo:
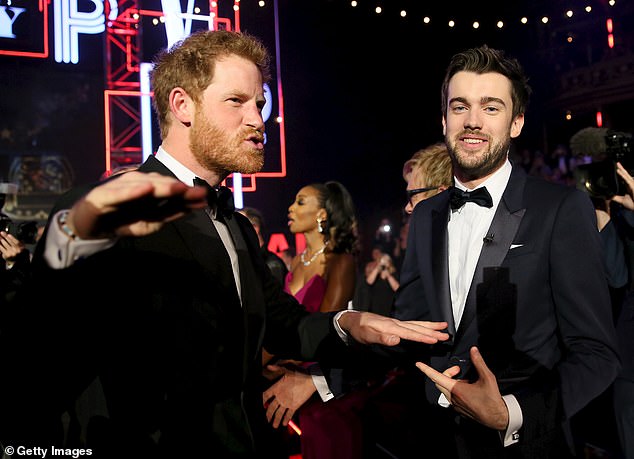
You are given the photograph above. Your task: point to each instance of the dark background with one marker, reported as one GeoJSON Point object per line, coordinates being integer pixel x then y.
{"type": "Point", "coordinates": [361, 90]}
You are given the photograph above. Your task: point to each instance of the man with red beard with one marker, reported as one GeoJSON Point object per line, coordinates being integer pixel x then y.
{"type": "Point", "coordinates": [165, 329]}
{"type": "Point", "coordinates": [514, 265]}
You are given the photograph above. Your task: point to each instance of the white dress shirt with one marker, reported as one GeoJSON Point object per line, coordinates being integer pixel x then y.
{"type": "Point", "coordinates": [467, 229]}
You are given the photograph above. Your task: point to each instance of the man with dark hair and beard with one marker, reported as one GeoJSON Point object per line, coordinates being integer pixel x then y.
{"type": "Point", "coordinates": [152, 296]}
{"type": "Point", "coordinates": [514, 265]}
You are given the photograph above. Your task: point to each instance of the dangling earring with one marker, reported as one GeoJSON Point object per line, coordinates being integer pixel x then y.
{"type": "Point", "coordinates": [319, 227]}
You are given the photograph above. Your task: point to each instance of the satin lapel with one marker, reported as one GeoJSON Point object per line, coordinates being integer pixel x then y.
{"type": "Point", "coordinates": [252, 304]}
{"type": "Point", "coordinates": [199, 232]}
{"type": "Point", "coordinates": [440, 265]}
{"type": "Point", "coordinates": [504, 227]}
{"type": "Point", "coordinates": [200, 235]}
{"type": "Point", "coordinates": [152, 164]}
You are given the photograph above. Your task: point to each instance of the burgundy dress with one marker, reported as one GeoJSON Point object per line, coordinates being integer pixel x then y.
{"type": "Point", "coordinates": [311, 294]}
{"type": "Point", "coordinates": [330, 430]}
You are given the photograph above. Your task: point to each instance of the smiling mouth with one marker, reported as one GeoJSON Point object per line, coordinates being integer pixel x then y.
{"type": "Point", "coordinates": [472, 141]}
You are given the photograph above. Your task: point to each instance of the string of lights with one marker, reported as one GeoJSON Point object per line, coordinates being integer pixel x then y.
{"type": "Point", "coordinates": [499, 21]}
{"type": "Point", "coordinates": [501, 16]}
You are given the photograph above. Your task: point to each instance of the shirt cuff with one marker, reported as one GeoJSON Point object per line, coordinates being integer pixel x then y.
{"type": "Point", "coordinates": [60, 251]}
{"type": "Point", "coordinates": [442, 401]}
{"type": "Point", "coordinates": [319, 380]}
{"type": "Point", "coordinates": [512, 435]}
{"type": "Point", "coordinates": [342, 334]}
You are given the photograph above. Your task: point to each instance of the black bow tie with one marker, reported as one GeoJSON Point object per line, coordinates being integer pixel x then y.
{"type": "Point", "coordinates": [220, 198]}
{"type": "Point", "coordinates": [480, 196]}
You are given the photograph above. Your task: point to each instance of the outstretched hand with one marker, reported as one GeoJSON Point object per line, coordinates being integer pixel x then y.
{"type": "Point", "coordinates": [133, 204]}
{"type": "Point", "coordinates": [480, 400]}
{"type": "Point", "coordinates": [370, 328]}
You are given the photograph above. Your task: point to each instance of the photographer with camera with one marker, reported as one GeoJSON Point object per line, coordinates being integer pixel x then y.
{"type": "Point", "coordinates": [16, 266]}
{"type": "Point", "coordinates": [606, 178]}
{"type": "Point", "coordinates": [381, 281]}
{"type": "Point", "coordinates": [16, 257]}
{"type": "Point", "coordinates": [623, 390]}
{"type": "Point", "coordinates": [605, 152]}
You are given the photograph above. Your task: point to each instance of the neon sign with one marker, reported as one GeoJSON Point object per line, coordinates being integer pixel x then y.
{"type": "Point", "coordinates": [128, 129]}
{"type": "Point", "coordinates": [7, 20]}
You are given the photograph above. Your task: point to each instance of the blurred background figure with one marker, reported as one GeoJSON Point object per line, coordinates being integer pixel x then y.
{"type": "Point", "coordinates": [15, 268]}
{"type": "Point", "coordinates": [276, 264]}
{"type": "Point", "coordinates": [16, 237]}
{"type": "Point", "coordinates": [380, 281]}
{"type": "Point", "coordinates": [427, 173]}
{"type": "Point", "coordinates": [610, 186]}
{"type": "Point", "coordinates": [385, 237]}
{"type": "Point", "coordinates": [389, 419]}
{"type": "Point", "coordinates": [322, 278]}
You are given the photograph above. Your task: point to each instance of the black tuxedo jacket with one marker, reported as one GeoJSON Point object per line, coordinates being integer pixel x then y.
{"type": "Point", "coordinates": [158, 320]}
{"type": "Point", "coordinates": [538, 306]}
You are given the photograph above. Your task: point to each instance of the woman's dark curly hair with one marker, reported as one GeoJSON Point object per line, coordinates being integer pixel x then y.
{"type": "Point", "coordinates": [340, 229]}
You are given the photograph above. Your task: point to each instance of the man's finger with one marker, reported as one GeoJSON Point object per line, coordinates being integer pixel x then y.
{"type": "Point", "coordinates": [437, 378]}
{"type": "Point", "coordinates": [416, 331]}
{"type": "Point", "coordinates": [478, 362]}
{"type": "Point", "coordinates": [452, 372]}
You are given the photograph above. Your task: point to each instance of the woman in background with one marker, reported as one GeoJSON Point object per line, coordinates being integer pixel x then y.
{"type": "Point", "coordinates": [322, 277]}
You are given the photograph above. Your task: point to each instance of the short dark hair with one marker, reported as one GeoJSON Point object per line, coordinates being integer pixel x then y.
{"type": "Point", "coordinates": [485, 60]}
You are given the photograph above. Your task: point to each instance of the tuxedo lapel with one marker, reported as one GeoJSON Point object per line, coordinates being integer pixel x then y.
{"type": "Point", "coordinates": [440, 265]}
{"type": "Point", "coordinates": [199, 234]}
{"type": "Point", "coordinates": [249, 280]}
{"type": "Point", "coordinates": [503, 228]}
{"type": "Point", "coordinates": [201, 237]}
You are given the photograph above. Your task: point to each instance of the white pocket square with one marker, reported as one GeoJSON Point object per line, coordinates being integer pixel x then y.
{"type": "Point", "coordinates": [515, 246]}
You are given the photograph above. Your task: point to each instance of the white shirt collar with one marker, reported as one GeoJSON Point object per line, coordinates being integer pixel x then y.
{"type": "Point", "coordinates": [181, 172]}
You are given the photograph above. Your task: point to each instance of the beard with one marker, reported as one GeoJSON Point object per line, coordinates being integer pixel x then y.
{"type": "Point", "coordinates": [216, 150]}
{"type": "Point", "coordinates": [476, 166]}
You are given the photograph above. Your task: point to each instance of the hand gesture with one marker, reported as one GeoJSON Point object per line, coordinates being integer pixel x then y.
{"type": "Point", "coordinates": [370, 328]}
{"type": "Point", "coordinates": [10, 247]}
{"type": "Point", "coordinates": [287, 395]}
{"type": "Point", "coordinates": [133, 204]}
{"type": "Point", "coordinates": [480, 400]}
{"type": "Point", "coordinates": [626, 200]}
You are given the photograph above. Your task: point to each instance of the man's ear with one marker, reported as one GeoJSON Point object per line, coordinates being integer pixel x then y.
{"type": "Point", "coordinates": [517, 125]}
{"type": "Point", "coordinates": [181, 105]}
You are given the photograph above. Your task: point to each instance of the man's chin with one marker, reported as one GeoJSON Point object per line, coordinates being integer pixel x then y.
{"type": "Point", "coordinates": [250, 166]}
